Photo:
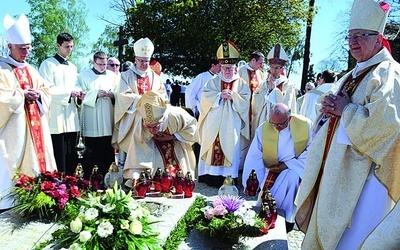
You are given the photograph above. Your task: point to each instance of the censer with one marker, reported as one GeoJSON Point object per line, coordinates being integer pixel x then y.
{"type": "Point", "coordinates": [80, 145]}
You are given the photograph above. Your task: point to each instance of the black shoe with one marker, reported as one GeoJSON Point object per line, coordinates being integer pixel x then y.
{"type": "Point", "coordinates": [289, 226]}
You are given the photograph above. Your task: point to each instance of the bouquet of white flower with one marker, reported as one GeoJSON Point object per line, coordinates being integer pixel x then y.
{"type": "Point", "coordinates": [109, 220]}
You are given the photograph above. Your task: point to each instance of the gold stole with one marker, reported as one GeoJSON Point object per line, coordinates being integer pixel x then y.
{"type": "Point", "coordinates": [33, 116]}
{"type": "Point", "coordinates": [167, 151]}
{"type": "Point", "coordinates": [298, 130]}
{"type": "Point", "coordinates": [350, 85]}
{"type": "Point", "coordinates": [217, 155]}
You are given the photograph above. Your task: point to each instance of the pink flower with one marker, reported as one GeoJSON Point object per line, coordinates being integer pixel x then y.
{"type": "Point", "coordinates": [28, 188]}
{"type": "Point", "coordinates": [209, 213]}
{"type": "Point", "coordinates": [217, 202]}
{"type": "Point", "coordinates": [220, 210]}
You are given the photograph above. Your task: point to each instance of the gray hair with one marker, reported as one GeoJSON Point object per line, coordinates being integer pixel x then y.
{"type": "Point", "coordinates": [279, 109]}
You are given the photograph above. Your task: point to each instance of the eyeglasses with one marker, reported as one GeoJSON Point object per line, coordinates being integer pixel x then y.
{"type": "Point", "coordinates": [279, 124]}
{"type": "Point", "coordinates": [100, 64]}
{"type": "Point", "coordinates": [358, 37]}
{"type": "Point", "coordinates": [228, 68]}
{"type": "Point", "coordinates": [114, 65]}
{"type": "Point", "coordinates": [142, 61]}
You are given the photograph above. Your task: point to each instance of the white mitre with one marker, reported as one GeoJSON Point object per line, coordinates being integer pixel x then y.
{"type": "Point", "coordinates": [143, 47]}
{"type": "Point", "coordinates": [18, 32]}
{"type": "Point", "coordinates": [369, 15]}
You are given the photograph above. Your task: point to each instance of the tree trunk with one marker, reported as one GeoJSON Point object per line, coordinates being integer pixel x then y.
{"type": "Point", "coordinates": [306, 59]}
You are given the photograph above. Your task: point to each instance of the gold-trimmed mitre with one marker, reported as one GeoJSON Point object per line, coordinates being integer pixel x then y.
{"type": "Point", "coordinates": [228, 53]}
{"type": "Point", "coordinates": [151, 107]}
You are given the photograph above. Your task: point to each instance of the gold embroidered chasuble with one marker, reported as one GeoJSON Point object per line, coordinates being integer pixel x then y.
{"type": "Point", "coordinates": [131, 88]}
{"type": "Point", "coordinates": [371, 123]}
{"type": "Point", "coordinates": [167, 152]}
{"type": "Point", "coordinates": [145, 153]}
{"type": "Point", "coordinates": [226, 120]}
{"type": "Point", "coordinates": [19, 153]}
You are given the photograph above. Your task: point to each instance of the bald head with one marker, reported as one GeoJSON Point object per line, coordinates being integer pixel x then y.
{"type": "Point", "coordinates": [280, 116]}
{"type": "Point", "coordinates": [280, 109]}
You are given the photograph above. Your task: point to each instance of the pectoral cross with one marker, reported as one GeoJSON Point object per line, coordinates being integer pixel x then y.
{"type": "Point", "coordinates": [144, 86]}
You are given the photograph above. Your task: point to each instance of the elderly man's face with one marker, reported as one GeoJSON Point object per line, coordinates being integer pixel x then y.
{"type": "Point", "coordinates": [19, 52]}
{"type": "Point", "coordinates": [153, 128]}
{"type": "Point", "coordinates": [364, 44]}
{"type": "Point", "coordinates": [280, 121]}
{"type": "Point", "coordinates": [142, 63]}
{"type": "Point", "coordinates": [228, 70]}
{"type": "Point", "coordinates": [113, 64]}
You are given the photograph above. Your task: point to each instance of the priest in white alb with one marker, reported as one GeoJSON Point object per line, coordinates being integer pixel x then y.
{"type": "Point", "coordinates": [25, 141]}
{"type": "Point", "coordinates": [278, 153]}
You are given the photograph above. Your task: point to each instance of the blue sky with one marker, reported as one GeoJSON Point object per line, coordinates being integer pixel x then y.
{"type": "Point", "coordinates": [325, 26]}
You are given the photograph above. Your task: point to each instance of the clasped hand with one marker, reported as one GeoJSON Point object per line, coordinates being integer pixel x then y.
{"type": "Point", "coordinates": [226, 94]}
{"type": "Point", "coordinates": [333, 105]}
{"type": "Point", "coordinates": [31, 94]}
{"type": "Point", "coordinates": [78, 94]}
{"type": "Point", "coordinates": [271, 82]}
{"type": "Point", "coordinates": [105, 94]}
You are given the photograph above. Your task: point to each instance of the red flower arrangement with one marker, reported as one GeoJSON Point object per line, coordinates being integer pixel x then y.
{"type": "Point", "coordinates": [47, 194]}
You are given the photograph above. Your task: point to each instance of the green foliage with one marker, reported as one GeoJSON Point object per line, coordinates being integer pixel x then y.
{"type": "Point", "coordinates": [106, 40]}
{"type": "Point", "coordinates": [51, 17]}
{"type": "Point", "coordinates": [109, 220]}
{"type": "Point", "coordinates": [187, 33]}
{"type": "Point", "coordinates": [182, 229]}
